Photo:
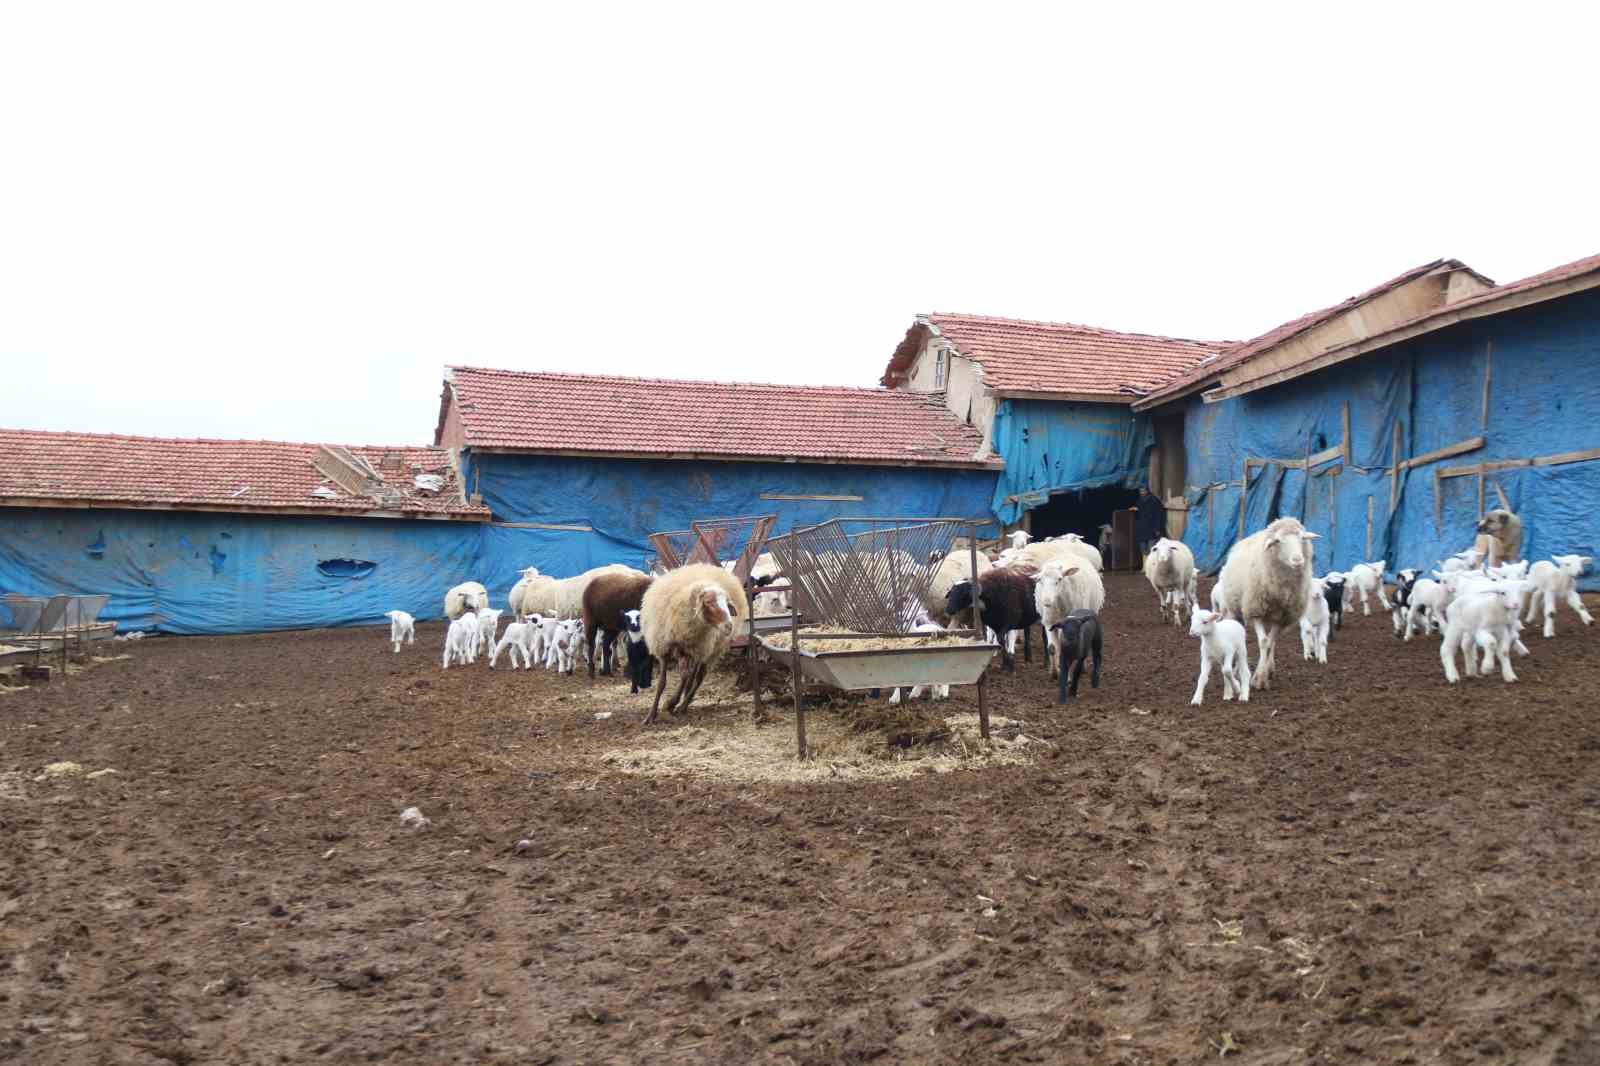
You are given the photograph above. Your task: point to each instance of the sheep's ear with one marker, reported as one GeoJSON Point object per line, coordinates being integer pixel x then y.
{"type": "Point", "coordinates": [1308, 535]}
{"type": "Point", "coordinates": [1069, 571]}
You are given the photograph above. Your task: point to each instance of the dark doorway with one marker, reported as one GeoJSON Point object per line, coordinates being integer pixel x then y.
{"type": "Point", "coordinates": [1080, 511]}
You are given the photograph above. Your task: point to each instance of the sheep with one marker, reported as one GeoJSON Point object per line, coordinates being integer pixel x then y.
{"type": "Point", "coordinates": [563, 598]}
{"type": "Point", "coordinates": [526, 595]}
{"type": "Point", "coordinates": [1266, 581]}
{"type": "Point", "coordinates": [1314, 624]}
{"type": "Point", "coordinates": [549, 629]}
{"type": "Point", "coordinates": [1552, 579]}
{"type": "Point", "coordinates": [1333, 592]}
{"type": "Point", "coordinates": [604, 601]}
{"type": "Point", "coordinates": [688, 618]}
{"type": "Point", "coordinates": [1085, 549]}
{"type": "Point", "coordinates": [562, 644]}
{"type": "Point", "coordinates": [1076, 637]}
{"type": "Point", "coordinates": [1221, 640]}
{"type": "Point", "coordinates": [1170, 570]}
{"type": "Point", "coordinates": [1404, 582]}
{"type": "Point", "coordinates": [764, 571]}
{"type": "Point", "coordinates": [1470, 559]}
{"type": "Point", "coordinates": [460, 641]}
{"type": "Point", "coordinates": [641, 663]}
{"type": "Point", "coordinates": [469, 595]}
{"type": "Point", "coordinates": [1482, 619]}
{"type": "Point", "coordinates": [939, 692]}
{"type": "Point", "coordinates": [1427, 600]}
{"type": "Point", "coordinates": [488, 623]}
{"type": "Point", "coordinates": [1061, 589]}
{"type": "Point", "coordinates": [1036, 555]}
{"type": "Point", "coordinates": [949, 569]}
{"type": "Point", "coordinates": [401, 627]}
{"type": "Point", "coordinates": [1508, 581]}
{"type": "Point", "coordinates": [1499, 537]}
{"type": "Point", "coordinates": [518, 637]}
{"type": "Point", "coordinates": [1005, 603]}
{"type": "Point", "coordinates": [1019, 539]}
{"type": "Point", "coordinates": [1366, 579]}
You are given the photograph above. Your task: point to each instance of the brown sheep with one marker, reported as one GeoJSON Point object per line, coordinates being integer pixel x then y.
{"type": "Point", "coordinates": [605, 599]}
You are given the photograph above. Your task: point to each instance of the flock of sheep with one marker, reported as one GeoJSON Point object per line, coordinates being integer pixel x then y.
{"type": "Point", "coordinates": [1477, 599]}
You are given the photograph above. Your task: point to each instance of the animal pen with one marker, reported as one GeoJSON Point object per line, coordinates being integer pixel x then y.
{"type": "Point", "coordinates": [861, 583]}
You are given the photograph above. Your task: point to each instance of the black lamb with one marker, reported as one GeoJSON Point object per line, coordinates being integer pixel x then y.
{"type": "Point", "coordinates": [1078, 637]}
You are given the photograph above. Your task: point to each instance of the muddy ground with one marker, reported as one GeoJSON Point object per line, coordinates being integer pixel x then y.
{"type": "Point", "coordinates": [1363, 865]}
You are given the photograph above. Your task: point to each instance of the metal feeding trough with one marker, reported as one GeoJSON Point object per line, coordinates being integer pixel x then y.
{"type": "Point", "coordinates": [860, 671]}
{"type": "Point", "coordinates": [866, 576]}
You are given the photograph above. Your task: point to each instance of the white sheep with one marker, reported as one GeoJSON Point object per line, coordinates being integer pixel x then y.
{"type": "Point", "coordinates": [549, 628]}
{"type": "Point", "coordinates": [1221, 640]}
{"type": "Point", "coordinates": [688, 617]}
{"type": "Point", "coordinates": [467, 596]}
{"type": "Point", "coordinates": [1085, 549]}
{"type": "Point", "coordinates": [1508, 581]}
{"type": "Point", "coordinates": [526, 591]}
{"type": "Point", "coordinates": [401, 627]}
{"type": "Point", "coordinates": [1061, 588]}
{"type": "Point", "coordinates": [768, 603]}
{"type": "Point", "coordinates": [518, 637]}
{"type": "Point", "coordinates": [1462, 560]}
{"type": "Point", "coordinates": [1429, 598]}
{"type": "Point", "coordinates": [1169, 567]}
{"type": "Point", "coordinates": [1314, 624]}
{"type": "Point", "coordinates": [562, 643]}
{"type": "Point", "coordinates": [1366, 579]}
{"type": "Point", "coordinates": [1019, 539]}
{"type": "Point", "coordinates": [950, 570]}
{"type": "Point", "coordinates": [1552, 579]}
{"type": "Point", "coordinates": [461, 640]}
{"type": "Point", "coordinates": [1266, 582]}
{"type": "Point", "coordinates": [1481, 619]}
{"type": "Point", "coordinates": [939, 692]}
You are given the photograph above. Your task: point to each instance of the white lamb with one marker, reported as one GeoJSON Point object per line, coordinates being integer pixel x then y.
{"type": "Point", "coordinates": [1169, 567]}
{"type": "Point", "coordinates": [1482, 619]}
{"type": "Point", "coordinates": [467, 596]}
{"type": "Point", "coordinates": [1314, 624]}
{"type": "Point", "coordinates": [561, 646]}
{"type": "Point", "coordinates": [1366, 579]}
{"type": "Point", "coordinates": [1552, 579]}
{"type": "Point", "coordinates": [1221, 640]}
{"type": "Point", "coordinates": [1429, 598]}
{"type": "Point", "coordinates": [688, 618]}
{"type": "Point", "coordinates": [488, 624]}
{"type": "Point", "coordinates": [1266, 582]}
{"type": "Point", "coordinates": [518, 637]}
{"type": "Point", "coordinates": [401, 627]}
{"type": "Point", "coordinates": [461, 640]}
{"type": "Point", "coordinates": [1061, 588]}
{"type": "Point", "coordinates": [549, 629]}
{"type": "Point", "coordinates": [1463, 560]}
{"type": "Point", "coordinates": [939, 692]}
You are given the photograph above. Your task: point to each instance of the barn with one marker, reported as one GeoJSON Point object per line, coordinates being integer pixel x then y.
{"type": "Point", "coordinates": [231, 536]}
{"type": "Point", "coordinates": [1389, 422]}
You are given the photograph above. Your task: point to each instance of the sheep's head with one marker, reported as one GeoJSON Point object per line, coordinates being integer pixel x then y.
{"type": "Point", "coordinates": [630, 621]}
{"type": "Point", "coordinates": [1291, 543]}
{"type": "Point", "coordinates": [531, 571]}
{"type": "Point", "coordinates": [960, 598]}
{"type": "Point", "coordinates": [1510, 571]}
{"type": "Point", "coordinates": [1202, 621]}
{"type": "Point", "coordinates": [1020, 538]}
{"type": "Point", "coordinates": [713, 606]}
{"type": "Point", "coordinates": [1407, 578]}
{"type": "Point", "coordinates": [1572, 564]}
{"type": "Point", "coordinates": [1071, 627]}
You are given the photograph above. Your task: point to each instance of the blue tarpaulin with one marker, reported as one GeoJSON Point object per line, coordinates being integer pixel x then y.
{"type": "Point", "coordinates": [1056, 447]}
{"type": "Point", "coordinates": [1544, 382]}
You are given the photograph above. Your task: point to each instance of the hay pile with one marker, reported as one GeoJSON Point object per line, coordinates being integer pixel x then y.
{"type": "Point", "coordinates": [780, 641]}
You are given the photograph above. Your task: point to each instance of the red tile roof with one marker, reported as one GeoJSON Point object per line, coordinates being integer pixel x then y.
{"type": "Point", "coordinates": [242, 475]}
{"type": "Point", "coordinates": [1055, 357]}
{"type": "Point", "coordinates": [593, 415]}
{"type": "Point", "coordinates": [1234, 354]}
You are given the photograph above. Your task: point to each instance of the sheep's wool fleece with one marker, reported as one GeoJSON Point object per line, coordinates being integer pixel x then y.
{"type": "Point", "coordinates": [531, 594]}
{"type": "Point", "coordinates": [1174, 572]}
{"type": "Point", "coordinates": [1260, 591]}
{"type": "Point", "coordinates": [1082, 589]}
{"type": "Point", "coordinates": [455, 601]}
{"type": "Point", "coordinates": [957, 566]}
{"type": "Point", "coordinates": [670, 623]}
{"type": "Point", "coordinates": [1037, 555]}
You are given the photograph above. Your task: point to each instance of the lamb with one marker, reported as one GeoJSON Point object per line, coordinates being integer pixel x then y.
{"type": "Point", "coordinates": [401, 627]}
{"type": "Point", "coordinates": [1552, 579]}
{"type": "Point", "coordinates": [1005, 603]}
{"type": "Point", "coordinates": [604, 601]}
{"type": "Point", "coordinates": [688, 618]}
{"type": "Point", "coordinates": [488, 623]}
{"type": "Point", "coordinates": [1426, 600]}
{"type": "Point", "coordinates": [641, 663]}
{"type": "Point", "coordinates": [460, 641]}
{"type": "Point", "coordinates": [1480, 620]}
{"type": "Point", "coordinates": [1366, 579]}
{"type": "Point", "coordinates": [940, 692]}
{"type": "Point", "coordinates": [1170, 570]}
{"type": "Point", "coordinates": [467, 596]}
{"type": "Point", "coordinates": [1266, 581]}
{"type": "Point", "coordinates": [1221, 640]}
{"type": "Point", "coordinates": [1470, 559]}
{"type": "Point", "coordinates": [561, 644]}
{"type": "Point", "coordinates": [519, 637]}
{"type": "Point", "coordinates": [1333, 592]}
{"type": "Point", "coordinates": [1076, 637]}
{"type": "Point", "coordinates": [764, 571]}
{"type": "Point", "coordinates": [545, 643]}
{"type": "Point", "coordinates": [1061, 590]}
{"type": "Point", "coordinates": [952, 568]}
{"type": "Point", "coordinates": [1314, 624]}
{"type": "Point", "coordinates": [1404, 582]}
{"type": "Point", "coordinates": [1499, 537]}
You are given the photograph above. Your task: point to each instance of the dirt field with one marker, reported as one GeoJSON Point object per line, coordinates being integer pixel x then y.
{"type": "Point", "coordinates": [1363, 865]}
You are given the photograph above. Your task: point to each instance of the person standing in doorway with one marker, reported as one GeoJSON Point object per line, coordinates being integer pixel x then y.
{"type": "Point", "coordinates": [1151, 523]}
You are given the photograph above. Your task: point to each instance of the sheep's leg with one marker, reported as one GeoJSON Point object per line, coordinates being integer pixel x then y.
{"type": "Point", "coordinates": [1205, 674]}
{"type": "Point", "coordinates": [1534, 599]}
{"type": "Point", "coordinates": [1447, 656]}
{"type": "Point", "coordinates": [695, 681]}
{"type": "Point", "coordinates": [1027, 644]}
{"type": "Point", "coordinates": [1052, 652]}
{"type": "Point", "coordinates": [1062, 691]}
{"type": "Point", "coordinates": [1077, 672]}
{"type": "Point", "coordinates": [655, 708]}
{"type": "Point", "coordinates": [1228, 668]}
{"type": "Point", "coordinates": [894, 699]}
{"type": "Point", "coordinates": [1306, 640]}
{"type": "Point", "coordinates": [1008, 652]}
{"type": "Point", "coordinates": [1576, 603]}
{"type": "Point", "coordinates": [1094, 676]}
{"type": "Point", "coordinates": [1263, 656]}
{"type": "Point", "coordinates": [1504, 650]}
{"type": "Point", "coordinates": [1382, 599]}
{"type": "Point", "coordinates": [1322, 641]}
{"type": "Point", "coordinates": [915, 693]}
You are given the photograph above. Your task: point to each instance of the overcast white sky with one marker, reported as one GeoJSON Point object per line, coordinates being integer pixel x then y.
{"type": "Point", "coordinates": [282, 220]}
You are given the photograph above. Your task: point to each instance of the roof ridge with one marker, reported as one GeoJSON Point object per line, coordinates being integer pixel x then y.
{"type": "Point", "coordinates": [218, 440]}
{"type": "Point", "coordinates": [1076, 326]}
{"type": "Point", "coordinates": [636, 380]}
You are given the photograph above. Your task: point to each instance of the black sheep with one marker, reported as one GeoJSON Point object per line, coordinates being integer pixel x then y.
{"type": "Point", "coordinates": [1078, 637]}
{"type": "Point", "coordinates": [1333, 592]}
{"type": "Point", "coordinates": [641, 664]}
{"type": "Point", "coordinates": [1005, 602]}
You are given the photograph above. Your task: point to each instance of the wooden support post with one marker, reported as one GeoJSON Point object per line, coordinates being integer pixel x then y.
{"type": "Point", "coordinates": [1480, 490]}
{"type": "Point", "coordinates": [1346, 420]}
{"type": "Point", "coordinates": [1244, 494]}
{"type": "Point", "coordinates": [1333, 516]}
{"type": "Point", "coordinates": [977, 625]}
{"type": "Point", "coordinates": [1488, 369]}
{"type": "Point", "coordinates": [794, 668]}
{"type": "Point", "coordinates": [1394, 472]}
{"type": "Point", "coordinates": [1438, 500]}
{"type": "Point", "coordinates": [1369, 529]}
{"type": "Point", "coordinates": [1211, 516]}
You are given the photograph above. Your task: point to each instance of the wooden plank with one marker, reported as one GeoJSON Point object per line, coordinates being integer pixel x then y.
{"type": "Point", "coordinates": [1333, 513]}
{"type": "Point", "coordinates": [1346, 420]}
{"type": "Point", "coordinates": [1488, 367]}
{"type": "Point", "coordinates": [1369, 528]}
{"type": "Point", "coordinates": [1394, 473]}
{"type": "Point", "coordinates": [842, 498]}
{"type": "Point", "coordinates": [1244, 494]}
{"type": "Point", "coordinates": [1480, 489]}
{"type": "Point", "coordinates": [1327, 455]}
{"type": "Point", "coordinates": [1460, 447]}
{"type": "Point", "coordinates": [1567, 457]}
{"type": "Point", "coordinates": [1484, 468]}
{"type": "Point", "coordinates": [1438, 500]}
{"type": "Point", "coordinates": [1211, 517]}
